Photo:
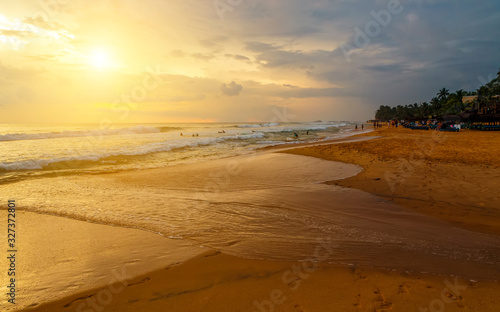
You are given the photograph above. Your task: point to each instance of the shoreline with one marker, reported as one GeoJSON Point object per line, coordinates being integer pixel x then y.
{"type": "Point", "coordinates": [285, 146]}
{"type": "Point", "coordinates": [238, 283]}
{"type": "Point", "coordinates": [451, 176]}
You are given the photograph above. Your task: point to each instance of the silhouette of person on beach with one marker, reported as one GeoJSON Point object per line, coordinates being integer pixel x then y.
{"type": "Point", "coordinates": [182, 134]}
{"type": "Point", "coordinates": [356, 127]}
{"type": "Point", "coordinates": [362, 126]}
{"type": "Point", "coordinates": [296, 135]}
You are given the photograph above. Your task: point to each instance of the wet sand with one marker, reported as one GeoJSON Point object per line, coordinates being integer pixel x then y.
{"type": "Point", "coordinates": [452, 176]}
{"type": "Point", "coordinates": [267, 227]}
{"type": "Point", "coordinates": [218, 282]}
{"type": "Point", "coordinates": [58, 256]}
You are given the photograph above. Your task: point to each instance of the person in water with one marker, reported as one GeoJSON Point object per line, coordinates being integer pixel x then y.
{"type": "Point", "coordinates": [296, 135]}
{"type": "Point", "coordinates": [182, 134]}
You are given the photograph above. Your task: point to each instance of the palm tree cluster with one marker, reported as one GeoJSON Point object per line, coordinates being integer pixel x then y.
{"type": "Point", "coordinates": [444, 103]}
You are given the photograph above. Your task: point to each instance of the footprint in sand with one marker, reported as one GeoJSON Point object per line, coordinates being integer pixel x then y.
{"type": "Point", "coordinates": [216, 253]}
{"type": "Point", "coordinates": [77, 299]}
{"type": "Point", "coordinates": [139, 282]}
{"type": "Point", "coordinates": [356, 271]}
{"type": "Point", "coordinates": [453, 297]}
{"type": "Point", "coordinates": [457, 299]}
{"type": "Point", "coordinates": [357, 305]}
{"type": "Point", "coordinates": [381, 305]}
{"type": "Point", "coordinates": [402, 290]}
{"type": "Point", "coordinates": [172, 265]}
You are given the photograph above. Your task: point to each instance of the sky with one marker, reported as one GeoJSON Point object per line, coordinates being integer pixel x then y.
{"type": "Point", "coordinates": [124, 61]}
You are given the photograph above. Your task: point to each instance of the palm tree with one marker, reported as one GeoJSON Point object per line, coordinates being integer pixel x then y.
{"type": "Point", "coordinates": [425, 109]}
{"type": "Point", "coordinates": [436, 105]}
{"type": "Point", "coordinates": [460, 94]}
{"type": "Point", "coordinates": [482, 96]}
{"type": "Point", "coordinates": [443, 93]}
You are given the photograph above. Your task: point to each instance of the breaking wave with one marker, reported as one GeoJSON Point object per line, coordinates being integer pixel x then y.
{"type": "Point", "coordinates": [82, 133]}
{"type": "Point", "coordinates": [274, 124]}
{"type": "Point", "coordinates": [151, 148]}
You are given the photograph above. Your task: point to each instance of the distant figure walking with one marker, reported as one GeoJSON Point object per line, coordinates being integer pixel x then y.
{"type": "Point", "coordinates": [307, 132]}
{"type": "Point", "coordinates": [362, 126]}
{"type": "Point", "coordinates": [356, 128]}
{"type": "Point", "coordinates": [296, 135]}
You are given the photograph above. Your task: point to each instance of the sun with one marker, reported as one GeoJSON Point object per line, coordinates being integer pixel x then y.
{"type": "Point", "coordinates": [100, 58]}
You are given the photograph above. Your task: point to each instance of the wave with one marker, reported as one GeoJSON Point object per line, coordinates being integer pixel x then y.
{"type": "Point", "coordinates": [298, 127]}
{"type": "Point", "coordinates": [82, 133]}
{"type": "Point", "coordinates": [324, 127]}
{"type": "Point", "coordinates": [77, 161]}
{"type": "Point", "coordinates": [265, 125]}
{"type": "Point", "coordinates": [271, 142]}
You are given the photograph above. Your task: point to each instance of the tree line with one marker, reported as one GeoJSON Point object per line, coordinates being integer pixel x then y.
{"type": "Point", "coordinates": [444, 103]}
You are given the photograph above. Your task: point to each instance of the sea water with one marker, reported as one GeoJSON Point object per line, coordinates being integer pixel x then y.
{"type": "Point", "coordinates": [36, 150]}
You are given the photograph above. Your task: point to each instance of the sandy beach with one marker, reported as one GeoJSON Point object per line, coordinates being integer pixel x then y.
{"type": "Point", "coordinates": [407, 214]}
{"type": "Point", "coordinates": [227, 155]}
{"type": "Point", "coordinates": [452, 176]}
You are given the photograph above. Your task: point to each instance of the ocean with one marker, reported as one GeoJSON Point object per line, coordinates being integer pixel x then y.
{"type": "Point", "coordinates": [38, 150]}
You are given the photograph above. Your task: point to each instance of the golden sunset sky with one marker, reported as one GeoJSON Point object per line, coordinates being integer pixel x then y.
{"type": "Point", "coordinates": [236, 60]}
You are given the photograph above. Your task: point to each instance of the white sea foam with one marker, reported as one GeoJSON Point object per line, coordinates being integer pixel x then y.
{"type": "Point", "coordinates": [145, 149]}
{"type": "Point", "coordinates": [271, 142]}
{"type": "Point", "coordinates": [81, 133]}
{"type": "Point", "coordinates": [272, 124]}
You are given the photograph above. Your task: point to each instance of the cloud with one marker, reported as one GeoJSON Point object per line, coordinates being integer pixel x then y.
{"type": "Point", "coordinates": [180, 98]}
{"type": "Point", "coordinates": [280, 50]}
{"type": "Point", "coordinates": [214, 42]}
{"type": "Point", "coordinates": [237, 57]}
{"type": "Point", "coordinates": [43, 57]}
{"type": "Point", "coordinates": [40, 22]}
{"type": "Point", "coordinates": [177, 53]}
{"type": "Point", "coordinates": [16, 33]}
{"type": "Point", "coordinates": [199, 56]}
{"type": "Point", "coordinates": [203, 56]}
{"type": "Point", "coordinates": [231, 89]}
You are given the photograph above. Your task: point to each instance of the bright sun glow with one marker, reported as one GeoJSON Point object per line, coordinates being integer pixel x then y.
{"type": "Point", "coordinates": [100, 59]}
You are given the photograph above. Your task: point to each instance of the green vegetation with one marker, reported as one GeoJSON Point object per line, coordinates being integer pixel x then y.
{"type": "Point", "coordinates": [444, 103]}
